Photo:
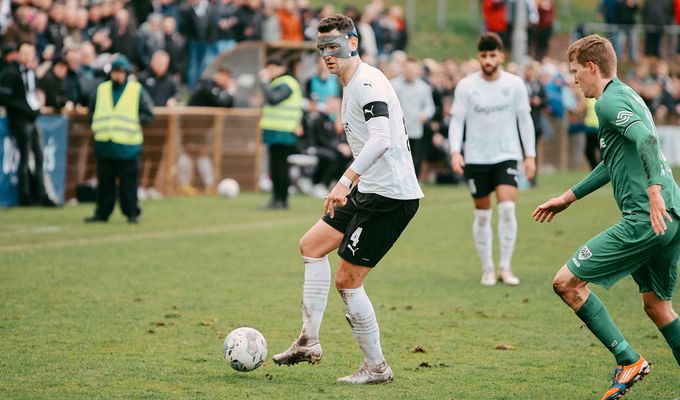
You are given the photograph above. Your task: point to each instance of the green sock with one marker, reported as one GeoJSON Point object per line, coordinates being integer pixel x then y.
{"type": "Point", "coordinates": [671, 333]}
{"type": "Point", "coordinates": [599, 322]}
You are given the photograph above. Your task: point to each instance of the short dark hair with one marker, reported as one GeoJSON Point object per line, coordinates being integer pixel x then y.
{"type": "Point", "coordinates": [342, 23]}
{"type": "Point", "coordinates": [489, 41]}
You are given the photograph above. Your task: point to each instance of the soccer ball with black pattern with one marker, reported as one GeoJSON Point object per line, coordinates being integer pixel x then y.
{"type": "Point", "coordinates": [245, 349]}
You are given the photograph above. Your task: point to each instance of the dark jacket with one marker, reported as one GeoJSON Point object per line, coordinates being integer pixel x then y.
{"type": "Point", "coordinates": [13, 95]}
{"type": "Point", "coordinates": [209, 94]}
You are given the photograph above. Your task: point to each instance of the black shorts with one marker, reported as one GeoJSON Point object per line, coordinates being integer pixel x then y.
{"type": "Point", "coordinates": [371, 224]}
{"type": "Point", "coordinates": [482, 179]}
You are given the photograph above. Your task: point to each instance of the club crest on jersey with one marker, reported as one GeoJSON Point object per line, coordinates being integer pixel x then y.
{"type": "Point", "coordinates": [585, 253]}
{"type": "Point", "coordinates": [623, 117]}
{"type": "Point", "coordinates": [505, 91]}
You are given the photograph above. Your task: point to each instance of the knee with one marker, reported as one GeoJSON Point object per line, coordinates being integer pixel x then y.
{"type": "Point", "coordinates": [651, 309]}
{"type": "Point", "coordinates": [342, 282]}
{"type": "Point", "coordinates": [307, 247]}
{"type": "Point", "coordinates": [560, 286]}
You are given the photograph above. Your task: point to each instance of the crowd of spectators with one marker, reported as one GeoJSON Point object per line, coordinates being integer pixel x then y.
{"type": "Point", "coordinates": [171, 42]}
{"type": "Point", "coordinates": [167, 39]}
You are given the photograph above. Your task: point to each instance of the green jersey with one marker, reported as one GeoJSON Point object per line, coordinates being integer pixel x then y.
{"type": "Point", "coordinates": [631, 155]}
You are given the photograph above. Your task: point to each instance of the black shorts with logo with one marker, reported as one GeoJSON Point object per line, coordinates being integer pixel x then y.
{"type": "Point", "coordinates": [482, 179]}
{"type": "Point", "coordinates": [371, 224]}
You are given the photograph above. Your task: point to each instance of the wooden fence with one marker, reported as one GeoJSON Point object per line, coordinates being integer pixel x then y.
{"type": "Point", "coordinates": [229, 137]}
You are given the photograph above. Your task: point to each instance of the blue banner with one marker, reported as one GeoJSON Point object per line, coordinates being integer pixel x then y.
{"type": "Point", "coordinates": [54, 130]}
{"type": "Point", "coordinates": [9, 194]}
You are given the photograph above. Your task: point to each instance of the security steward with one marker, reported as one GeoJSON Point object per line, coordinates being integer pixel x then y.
{"type": "Point", "coordinates": [117, 112]}
{"type": "Point", "coordinates": [281, 126]}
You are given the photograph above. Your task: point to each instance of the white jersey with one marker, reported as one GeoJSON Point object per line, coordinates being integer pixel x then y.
{"type": "Point", "coordinates": [392, 175]}
{"type": "Point", "coordinates": [490, 111]}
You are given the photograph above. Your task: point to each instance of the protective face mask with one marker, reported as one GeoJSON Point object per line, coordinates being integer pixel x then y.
{"type": "Point", "coordinates": [341, 48]}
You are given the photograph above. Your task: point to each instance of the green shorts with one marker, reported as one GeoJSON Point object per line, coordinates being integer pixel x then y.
{"type": "Point", "coordinates": [631, 248]}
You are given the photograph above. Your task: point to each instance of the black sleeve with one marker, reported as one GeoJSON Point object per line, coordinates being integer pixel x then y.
{"type": "Point", "coordinates": [145, 107]}
{"type": "Point", "coordinates": [375, 109]}
{"type": "Point", "coordinates": [277, 94]}
{"type": "Point", "coordinates": [91, 105]}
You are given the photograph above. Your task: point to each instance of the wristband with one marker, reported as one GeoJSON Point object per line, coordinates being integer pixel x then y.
{"type": "Point", "coordinates": [345, 181]}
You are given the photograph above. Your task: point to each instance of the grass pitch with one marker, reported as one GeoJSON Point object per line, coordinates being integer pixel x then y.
{"type": "Point", "coordinates": [114, 311]}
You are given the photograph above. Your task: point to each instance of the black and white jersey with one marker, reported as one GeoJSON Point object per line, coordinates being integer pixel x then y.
{"type": "Point", "coordinates": [490, 111]}
{"type": "Point", "coordinates": [369, 95]}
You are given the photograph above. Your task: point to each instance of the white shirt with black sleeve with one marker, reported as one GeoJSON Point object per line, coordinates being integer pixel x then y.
{"type": "Point", "coordinates": [371, 114]}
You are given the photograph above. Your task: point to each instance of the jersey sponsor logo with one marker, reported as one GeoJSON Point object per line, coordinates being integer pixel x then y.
{"type": "Point", "coordinates": [578, 264]}
{"type": "Point", "coordinates": [491, 109]}
{"type": "Point", "coordinates": [369, 84]}
{"type": "Point", "coordinates": [369, 111]}
{"type": "Point", "coordinates": [602, 143]}
{"type": "Point", "coordinates": [623, 117]}
{"type": "Point", "coordinates": [585, 253]}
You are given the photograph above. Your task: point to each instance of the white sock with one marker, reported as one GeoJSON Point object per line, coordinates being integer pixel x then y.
{"type": "Point", "coordinates": [314, 296]}
{"type": "Point", "coordinates": [483, 235]}
{"type": "Point", "coordinates": [361, 318]}
{"type": "Point", "coordinates": [507, 232]}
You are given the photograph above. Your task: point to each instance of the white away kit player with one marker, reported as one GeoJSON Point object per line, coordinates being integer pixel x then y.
{"type": "Point", "coordinates": [364, 213]}
{"type": "Point", "coordinates": [489, 107]}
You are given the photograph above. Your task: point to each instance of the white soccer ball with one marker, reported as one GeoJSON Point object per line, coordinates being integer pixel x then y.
{"type": "Point", "coordinates": [245, 349]}
{"type": "Point", "coordinates": [228, 188]}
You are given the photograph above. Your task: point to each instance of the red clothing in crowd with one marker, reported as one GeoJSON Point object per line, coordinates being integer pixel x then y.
{"type": "Point", "coordinates": [494, 15]}
{"type": "Point", "coordinates": [291, 25]}
{"type": "Point", "coordinates": [546, 13]}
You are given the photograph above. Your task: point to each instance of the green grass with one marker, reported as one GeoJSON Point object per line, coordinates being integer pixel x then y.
{"type": "Point", "coordinates": [139, 312]}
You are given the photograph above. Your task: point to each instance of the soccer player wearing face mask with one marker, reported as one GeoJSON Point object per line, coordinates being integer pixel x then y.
{"type": "Point", "coordinates": [364, 213]}
{"type": "Point", "coordinates": [489, 107]}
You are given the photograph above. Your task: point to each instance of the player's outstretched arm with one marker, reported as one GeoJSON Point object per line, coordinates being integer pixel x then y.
{"type": "Point", "coordinates": [550, 208]}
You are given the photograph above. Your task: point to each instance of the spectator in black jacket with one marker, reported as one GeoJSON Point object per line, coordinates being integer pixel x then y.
{"type": "Point", "coordinates": [18, 94]}
{"type": "Point", "coordinates": [199, 27]}
{"type": "Point", "coordinates": [53, 85]}
{"type": "Point", "coordinates": [174, 45]}
{"type": "Point", "coordinates": [218, 91]}
{"type": "Point", "coordinates": [158, 83]}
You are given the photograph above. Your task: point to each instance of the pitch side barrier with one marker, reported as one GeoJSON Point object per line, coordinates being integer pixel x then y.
{"type": "Point", "coordinates": [228, 137]}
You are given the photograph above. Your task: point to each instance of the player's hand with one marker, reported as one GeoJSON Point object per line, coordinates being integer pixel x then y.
{"type": "Point", "coordinates": [657, 210]}
{"type": "Point", "coordinates": [457, 163]}
{"type": "Point", "coordinates": [530, 167]}
{"type": "Point", "coordinates": [337, 196]}
{"type": "Point", "coordinates": [550, 208]}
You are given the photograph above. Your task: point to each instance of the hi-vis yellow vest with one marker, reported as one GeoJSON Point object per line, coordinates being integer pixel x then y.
{"type": "Point", "coordinates": [591, 120]}
{"type": "Point", "coordinates": [286, 115]}
{"type": "Point", "coordinates": [119, 124]}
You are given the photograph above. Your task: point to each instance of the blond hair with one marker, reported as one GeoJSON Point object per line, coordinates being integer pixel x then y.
{"type": "Point", "coordinates": [596, 49]}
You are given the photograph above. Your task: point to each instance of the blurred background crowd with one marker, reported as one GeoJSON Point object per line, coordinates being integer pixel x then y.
{"type": "Point", "coordinates": [170, 43]}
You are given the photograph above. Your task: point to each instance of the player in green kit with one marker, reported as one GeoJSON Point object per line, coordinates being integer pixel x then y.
{"type": "Point", "coordinates": [645, 243]}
